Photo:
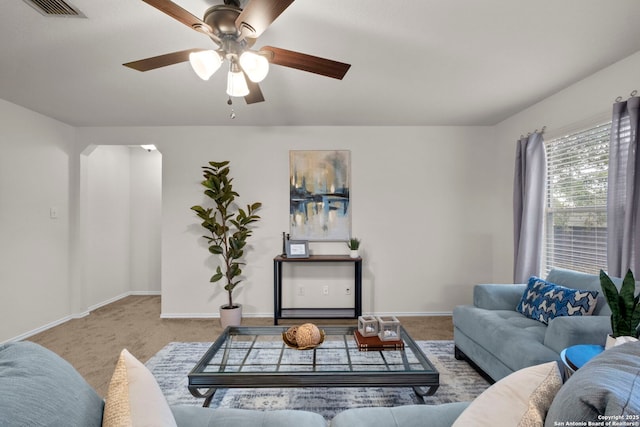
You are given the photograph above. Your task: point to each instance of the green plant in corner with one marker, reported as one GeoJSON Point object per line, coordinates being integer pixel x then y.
{"type": "Point", "coordinates": [228, 225]}
{"type": "Point", "coordinates": [353, 244]}
{"type": "Point", "coordinates": [625, 307]}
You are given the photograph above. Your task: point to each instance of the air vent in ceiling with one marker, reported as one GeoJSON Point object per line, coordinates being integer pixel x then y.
{"type": "Point", "coordinates": [55, 8]}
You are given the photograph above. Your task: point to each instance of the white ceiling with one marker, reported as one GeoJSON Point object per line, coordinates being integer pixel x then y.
{"type": "Point", "coordinates": [414, 62]}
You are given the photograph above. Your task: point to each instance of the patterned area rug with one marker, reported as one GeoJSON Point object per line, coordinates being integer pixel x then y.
{"type": "Point", "coordinates": [458, 383]}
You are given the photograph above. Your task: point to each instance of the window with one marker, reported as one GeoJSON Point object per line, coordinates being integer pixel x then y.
{"type": "Point", "coordinates": [575, 213]}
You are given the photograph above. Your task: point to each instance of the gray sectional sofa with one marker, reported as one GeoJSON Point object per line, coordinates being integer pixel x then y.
{"type": "Point", "coordinates": [499, 340]}
{"type": "Point", "coordinates": [38, 388]}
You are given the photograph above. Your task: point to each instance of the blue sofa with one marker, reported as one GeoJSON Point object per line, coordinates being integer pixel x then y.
{"type": "Point", "coordinates": [607, 388]}
{"type": "Point", "coordinates": [38, 388]}
{"type": "Point", "coordinates": [499, 340]}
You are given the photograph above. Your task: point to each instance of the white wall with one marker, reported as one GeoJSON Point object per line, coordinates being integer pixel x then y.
{"type": "Point", "coordinates": [453, 227]}
{"type": "Point", "coordinates": [586, 103]}
{"type": "Point", "coordinates": [145, 219]}
{"type": "Point", "coordinates": [418, 196]}
{"type": "Point", "coordinates": [107, 203]}
{"type": "Point", "coordinates": [108, 224]}
{"type": "Point", "coordinates": [34, 248]}
{"type": "Point", "coordinates": [122, 212]}
{"type": "Point", "coordinates": [432, 205]}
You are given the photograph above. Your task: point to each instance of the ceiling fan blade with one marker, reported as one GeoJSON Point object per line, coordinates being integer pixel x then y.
{"type": "Point", "coordinates": [161, 60]}
{"type": "Point", "coordinates": [304, 62]}
{"type": "Point", "coordinates": [258, 15]}
{"type": "Point", "coordinates": [255, 93]}
{"type": "Point", "coordinates": [181, 15]}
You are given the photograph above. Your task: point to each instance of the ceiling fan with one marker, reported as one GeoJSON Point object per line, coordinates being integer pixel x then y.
{"type": "Point", "coordinates": [235, 31]}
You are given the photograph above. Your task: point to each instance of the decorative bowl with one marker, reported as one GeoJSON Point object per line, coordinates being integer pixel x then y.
{"type": "Point", "coordinates": [295, 345]}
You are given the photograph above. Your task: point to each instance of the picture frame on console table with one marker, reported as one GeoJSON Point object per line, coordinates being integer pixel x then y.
{"type": "Point", "coordinates": [297, 248]}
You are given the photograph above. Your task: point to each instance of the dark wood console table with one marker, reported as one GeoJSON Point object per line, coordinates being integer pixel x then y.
{"type": "Point", "coordinates": [316, 313]}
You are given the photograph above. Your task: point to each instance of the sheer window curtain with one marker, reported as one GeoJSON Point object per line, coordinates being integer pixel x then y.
{"type": "Point", "coordinates": [623, 196]}
{"type": "Point", "coordinates": [528, 206]}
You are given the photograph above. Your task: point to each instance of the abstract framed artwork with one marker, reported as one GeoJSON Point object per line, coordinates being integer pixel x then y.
{"type": "Point", "coordinates": [319, 195]}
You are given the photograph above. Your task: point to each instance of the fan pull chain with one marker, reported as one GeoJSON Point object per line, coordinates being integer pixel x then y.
{"type": "Point", "coordinates": [233, 113]}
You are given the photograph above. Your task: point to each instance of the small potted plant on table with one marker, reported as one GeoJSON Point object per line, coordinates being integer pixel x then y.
{"type": "Point", "coordinates": [353, 244]}
{"type": "Point", "coordinates": [625, 307]}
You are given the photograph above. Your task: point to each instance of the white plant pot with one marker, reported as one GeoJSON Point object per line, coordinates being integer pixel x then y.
{"type": "Point", "coordinates": [353, 253]}
{"type": "Point", "coordinates": [612, 342]}
{"type": "Point", "coordinates": [230, 316]}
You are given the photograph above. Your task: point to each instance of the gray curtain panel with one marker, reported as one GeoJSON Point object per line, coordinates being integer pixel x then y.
{"type": "Point", "coordinates": [623, 194]}
{"type": "Point", "coordinates": [528, 206]}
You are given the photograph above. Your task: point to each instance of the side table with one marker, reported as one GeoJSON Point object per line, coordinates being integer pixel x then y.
{"type": "Point", "coordinates": [576, 356]}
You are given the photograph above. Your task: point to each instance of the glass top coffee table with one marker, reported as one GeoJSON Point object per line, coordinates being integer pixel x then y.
{"type": "Point", "coordinates": [247, 357]}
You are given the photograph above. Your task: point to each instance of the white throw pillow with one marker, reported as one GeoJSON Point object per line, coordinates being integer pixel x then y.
{"type": "Point", "coordinates": [521, 399]}
{"type": "Point", "coordinates": [134, 397]}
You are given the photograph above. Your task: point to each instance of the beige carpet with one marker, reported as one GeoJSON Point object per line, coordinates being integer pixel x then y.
{"type": "Point", "coordinates": [92, 344]}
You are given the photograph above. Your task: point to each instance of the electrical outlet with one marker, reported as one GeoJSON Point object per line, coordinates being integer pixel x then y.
{"type": "Point", "coordinates": [347, 291]}
{"type": "Point", "coordinates": [325, 290]}
{"type": "Point", "coordinates": [301, 290]}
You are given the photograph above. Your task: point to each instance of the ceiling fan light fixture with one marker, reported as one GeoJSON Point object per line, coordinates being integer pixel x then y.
{"type": "Point", "coordinates": [236, 83]}
{"type": "Point", "coordinates": [234, 27]}
{"type": "Point", "coordinates": [255, 65]}
{"type": "Point", "coordinates": [205, 63]}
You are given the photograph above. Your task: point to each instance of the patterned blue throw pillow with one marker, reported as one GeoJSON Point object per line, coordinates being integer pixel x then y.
{"type": "Point", "coordinates": [544, 301]}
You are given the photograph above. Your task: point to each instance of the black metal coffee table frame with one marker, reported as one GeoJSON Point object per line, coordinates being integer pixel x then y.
{"type": "Point", "coordinates": [248, 357]}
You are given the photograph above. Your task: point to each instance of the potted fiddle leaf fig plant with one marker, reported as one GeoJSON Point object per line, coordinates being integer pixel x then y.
{"type": "Point", "coordinates": [228, 227]}
{"type": "Point", "coordinates": [625, 306]}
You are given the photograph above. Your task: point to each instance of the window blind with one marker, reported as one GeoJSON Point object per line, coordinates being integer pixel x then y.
{"type": "Point", "coordinates": [575, 213]}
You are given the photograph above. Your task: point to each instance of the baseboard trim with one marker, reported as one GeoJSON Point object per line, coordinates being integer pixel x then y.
{"type": "Point", "coordinates": [119, 297]}
{"type": "Point", "coordinates": [38, 330]}
{"type": "Point", "coordinates": [211, 315]}
{"type": "Point", "coordinates": [217, 315]}
{"type": "Point", "coordinates": [78, 315]}
{"type": "Point", "coordinates": [207, 315]}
